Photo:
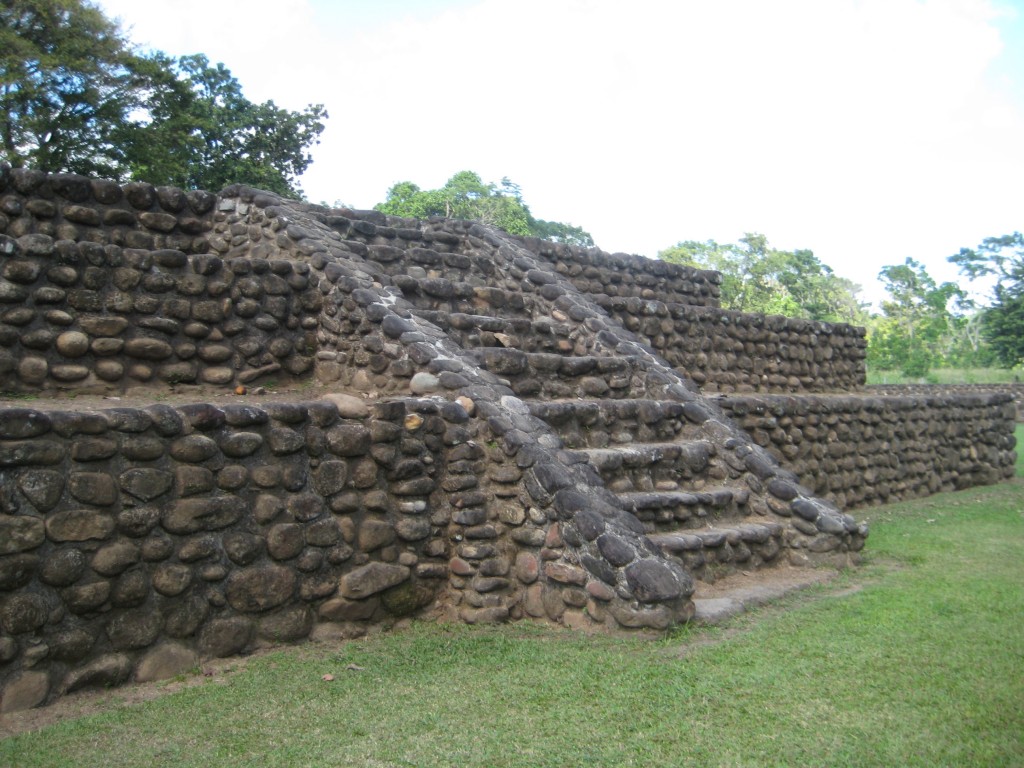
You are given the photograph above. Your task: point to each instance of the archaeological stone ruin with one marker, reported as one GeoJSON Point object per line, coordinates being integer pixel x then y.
{"type": "Point", "coordinates": [474, 427]}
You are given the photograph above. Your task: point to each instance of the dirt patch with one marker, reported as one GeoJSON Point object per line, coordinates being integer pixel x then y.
{"type": "Point", "coordinates": [96, 701]}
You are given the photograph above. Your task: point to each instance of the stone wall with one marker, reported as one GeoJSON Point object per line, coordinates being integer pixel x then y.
{"type": "Point", "coordinates": [675, 309]}
{"type": "Point", "coordinates": [135, 541]}
{"type": "Point", "coordinates": [621, 275]}
{"type": "Point", "coordinates": [449, 485]}
{"type": "Point", "coordinates": [727, 351]}
{"type": "Point", "coordinates": [104, 288]}
{"type": "Point", "coordinates": [938, 390]}
{"type": "Point", "coordinates": [107, 288]}
{"type": "Point", "coordinates": [858, 451]}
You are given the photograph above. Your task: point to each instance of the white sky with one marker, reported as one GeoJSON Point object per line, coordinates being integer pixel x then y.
{"type": "Point", "coordinates": [865, 130]}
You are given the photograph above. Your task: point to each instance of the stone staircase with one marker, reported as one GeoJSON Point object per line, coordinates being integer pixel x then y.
{"type": "Point", "coordinates": [693, 504]}
{"type": "Point", "coordinates": [574, 373]}
{"type": "Point", "coordinates": [616, 410]}
{"type": "Point", "coordinates": [510, 429]}
{"type": "Point", "coordinates": [628, 420]}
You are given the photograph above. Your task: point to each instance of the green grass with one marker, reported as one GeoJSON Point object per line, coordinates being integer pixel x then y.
{"type": "Point", "coordinates": [1018, 433]}
{"type": "Point", "coordinates": [919, 663]}
{"type": "Point", "coordinates": [948, 376]}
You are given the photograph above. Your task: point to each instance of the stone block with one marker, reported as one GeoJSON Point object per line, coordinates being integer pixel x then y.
{"type": "Point", "coordinates": [165, 661]}
{"type": "Point", "coordinates": [20, 533]}
{"type": "Point", "coordinates": [79, 525]}
{"type": "Point", "coordinates": [260, 588]}
{"type": "Point", "coordinates": [107, 670]}
{"type": "Point", "coordinates": [372, 578]}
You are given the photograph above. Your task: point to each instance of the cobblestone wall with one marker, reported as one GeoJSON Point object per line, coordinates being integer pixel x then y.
{"type": "Point", "coordinates": [103, 288]}
{"type": "Point", "coordinates": [938, 390]}
{"type": "Point", "coordinates": [620, 275]}
{"type": "Point", "coordinates": [858, 451]}
{"type": "Point", "coordinates": [106, 287]}
{"type": "Point", "coordinates": [135, 541]}
{"type": "Point", "coordinates": [675, 309]}
{"type": "Point", "coordinates": [451, 489]}
{"type": "Point", "coordinates": [724, 351]}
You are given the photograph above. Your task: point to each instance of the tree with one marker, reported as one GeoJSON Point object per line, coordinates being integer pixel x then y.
{"type": "Point", "coordinates": [558, 232]}
{"type": "Point", "coordinates": [966, 346]}
{"type": "Point", "coordinates": [201, 132]}
{"type": "Point", "coordinates": [68, 83]}
{"type": "Point", "coordinates": [1002, 323]}
{"type": "Point", "coordinates": [817, 290]}
{"type": "Point", "coordinates": [758, 278]}
{"type": "Point", "coordinates": [916, 322]}
{"type": "Point", "coordinates": [74, 96]}
{"type": "Point", "coordinates": [466, 196]}
{"type": "Point", "coordinates": [749, 282]}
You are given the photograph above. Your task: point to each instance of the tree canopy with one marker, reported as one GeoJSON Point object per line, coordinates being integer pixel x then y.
{"type": "Point", "coordinates": [466, 196]}
{"type": "Point", "coordinates": [922, 325]}
{"type": "Point", "coordinates": [75, 96]}
{"type": "Point", "coordinates": [68, 83]}
{"type": "Point", "coordinates": [1002, 323]}
{"type": "Point", "coordinates": [201, 132]}
{"type": "Point", "coordinates": [917, 321]}
{"type": "Point", "coordinates": [759, 278]}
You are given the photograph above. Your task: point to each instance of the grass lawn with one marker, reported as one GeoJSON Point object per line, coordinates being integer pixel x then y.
{"type": "Point", "coordinates": [948, 376]}
{"type": "Point", "coordinates": [915, 659]}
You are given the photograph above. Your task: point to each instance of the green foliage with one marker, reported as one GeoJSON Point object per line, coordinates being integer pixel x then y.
{"type": "Point", "coordinates": [888, 346]}
{"type": "Point", "coordinates": [201, 132]}
{"type": "Point", "coordinates": [466, 196]}
{"type": "Point", "coordinates": [1018, 435]}
{"type": "Point", "coordinates": [917, 321]}
{"type": "Point", "coordinates": [1002, 322]}
{"type": "Point", "coordinates": [68, 83]}
{"type": "Point", "coordinates": [1004, 329]}
{"type": "Point", "coordinates": [923, 324]}
{"type": "Point", "coordinates": [75, 97]}
{"type": "Point", "coordinates": [558, 232]}
{"type": "Point", "coordinates": [966, 345]}
{"type": "Point", "coordinates": [758, 278]}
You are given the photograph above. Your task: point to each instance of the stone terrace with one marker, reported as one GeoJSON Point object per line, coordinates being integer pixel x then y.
{"type": "Point", "coordinates": [521, 430]}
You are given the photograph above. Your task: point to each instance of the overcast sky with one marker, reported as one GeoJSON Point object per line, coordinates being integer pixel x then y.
{"type": "Point", "coordinates": [865, 130]}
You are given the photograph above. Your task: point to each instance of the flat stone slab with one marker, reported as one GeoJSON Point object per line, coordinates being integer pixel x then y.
{"type": "Point", "coordinates": [717, 609]}
{"type": "Point", "coordinates": [733, 594]}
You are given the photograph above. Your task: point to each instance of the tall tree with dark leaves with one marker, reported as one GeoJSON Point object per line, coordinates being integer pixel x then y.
{"type": "Point", "coordinates": [75, 96]}
{"type": "Point", "coordinates": [201, 132]}
{"type": "Point", "coordinates": [68, 85]}
{"type": "Point", "coordinates": [1000, 258]}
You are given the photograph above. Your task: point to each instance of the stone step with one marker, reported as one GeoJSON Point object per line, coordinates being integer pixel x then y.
{"type": "Point", "coordinates": [548, 376]}
{"type": "Point", "coordinates": [733, 594]}
{"type": "Point", "coordinates": [464, 321]}
{"type": "Point", "coordinates": [660, 466]}
{"type": "Point", "coordinates": [523, 333]}
{"type": "Point", "coordinates": [659, 510]}
{"type": "Point", "coordinates": [431, 292]}
{"type": "Point", "coordinates": [605, 423]}
{"type": "Point", "coordinates": [710, 552]}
